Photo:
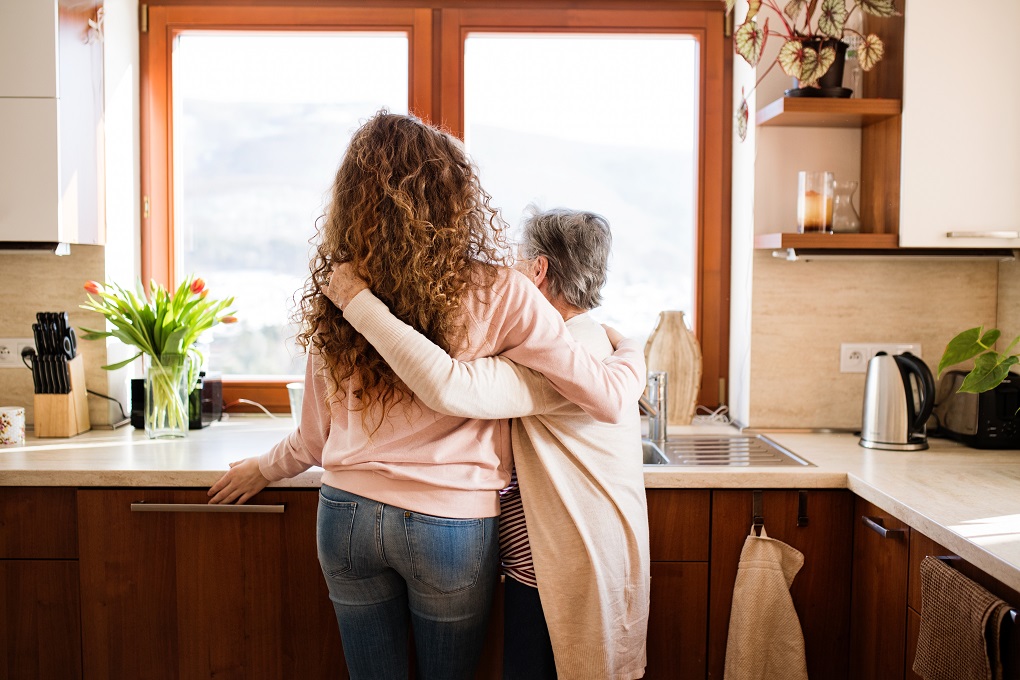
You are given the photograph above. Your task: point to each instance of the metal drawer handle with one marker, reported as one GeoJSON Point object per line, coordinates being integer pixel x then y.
{"type": "Point", "coordinates": [983, 234]}
{"type": "Point", "coordinates": [142, 506]}
{"type": "Point", "coordinates": [875, 524]}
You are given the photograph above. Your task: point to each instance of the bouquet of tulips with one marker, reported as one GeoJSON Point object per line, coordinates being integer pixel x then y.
{"type": "Point", "coordinates": [163, 327]}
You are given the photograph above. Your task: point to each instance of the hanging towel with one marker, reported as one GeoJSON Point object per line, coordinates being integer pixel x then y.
{"type": "Point", "coordinates": [765, 641]}
{"type": "Point", "coordinates": [960, 626]}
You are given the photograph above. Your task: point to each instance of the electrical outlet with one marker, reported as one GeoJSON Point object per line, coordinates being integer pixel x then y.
{"type": "Point", "coordinates": [10, 351]}
{"type": "Point", "coordinates": [854, 357]}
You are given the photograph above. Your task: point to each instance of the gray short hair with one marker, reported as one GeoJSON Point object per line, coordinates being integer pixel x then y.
{"type": "Point", "coordinates": [577, 245]}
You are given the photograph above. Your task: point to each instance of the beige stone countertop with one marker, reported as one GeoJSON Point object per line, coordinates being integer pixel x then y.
{"type": "Point", "coordinates": [966, 499]}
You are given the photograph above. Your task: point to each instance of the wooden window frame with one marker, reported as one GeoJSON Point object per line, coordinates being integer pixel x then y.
{"type": "Point", "coordinates": [436, 32]}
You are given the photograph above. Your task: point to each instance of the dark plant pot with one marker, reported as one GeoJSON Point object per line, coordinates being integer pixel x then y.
{"type": "Point", "coordinates": [830, 84]}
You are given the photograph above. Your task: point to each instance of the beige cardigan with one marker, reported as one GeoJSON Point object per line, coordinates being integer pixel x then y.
{"type": "Point", "coordinates": [582, 484]}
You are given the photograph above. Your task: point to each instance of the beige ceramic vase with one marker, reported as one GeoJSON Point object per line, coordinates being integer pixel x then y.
{"type": "Point", "coordinates": [673, 348]}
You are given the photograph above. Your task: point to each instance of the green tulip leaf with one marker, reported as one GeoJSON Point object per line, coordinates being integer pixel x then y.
{"type": "Point", "coordinates": [967, 345]}
{"type": "Point", "coordinates": [750, 40]}
{"type": "Point", "coordinates": [832, 18]}
{"type": "Point", "coordinates": [878, 8]}
{"type": "Point", "coordinates": [870, 52]}
{"type": "Point", "coordinates": [989, 370]}
{"type": "Point", "coordinates": [121, 364]}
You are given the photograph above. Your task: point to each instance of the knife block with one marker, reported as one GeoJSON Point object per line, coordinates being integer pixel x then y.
{"type": "Point", "coordinates": [64, 415]}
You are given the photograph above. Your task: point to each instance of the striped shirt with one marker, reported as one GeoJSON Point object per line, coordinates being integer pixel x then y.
{"type": "Point", "coordinates": [514, 549]}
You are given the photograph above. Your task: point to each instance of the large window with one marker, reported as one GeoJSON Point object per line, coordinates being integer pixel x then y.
{"type": "Point", "coordinates": [599, 122]}
{"type": "Point", "coordinates": [620, 109]}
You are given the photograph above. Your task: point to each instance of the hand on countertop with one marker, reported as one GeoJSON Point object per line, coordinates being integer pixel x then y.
{"type": "Point", "coordinates": [344, 284]}
{"type": "Point", "coordinates": [243, 480]}
{"type": "Point", "coordinates": [615, 336]}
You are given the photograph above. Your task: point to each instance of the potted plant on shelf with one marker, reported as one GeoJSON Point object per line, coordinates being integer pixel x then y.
{"type": "Point", "coordinates": [816, 37]}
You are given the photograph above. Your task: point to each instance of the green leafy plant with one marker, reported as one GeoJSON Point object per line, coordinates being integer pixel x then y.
{"type": "Point", "coordinates": [990, 367]}
{"type": "Point", "coordinates": [164, 327]}
{"type": "Point", "coordinates": [801, 24]}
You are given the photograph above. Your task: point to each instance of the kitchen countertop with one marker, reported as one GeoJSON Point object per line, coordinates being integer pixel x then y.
{"type": "Point", "coordinates": [965, 499]}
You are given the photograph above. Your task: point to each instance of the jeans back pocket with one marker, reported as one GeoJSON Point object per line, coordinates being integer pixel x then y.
{"type": "Point", "coordinates": [333, 528]}
{"type": "Point", "coordinates": [446, 554]}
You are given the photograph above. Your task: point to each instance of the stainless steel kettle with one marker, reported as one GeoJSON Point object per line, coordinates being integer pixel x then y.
{"type": "Point", "coordinates": [891, 419]}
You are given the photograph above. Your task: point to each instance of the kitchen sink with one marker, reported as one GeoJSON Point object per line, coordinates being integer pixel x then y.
{"type": "Point", "coordinates": [736, 450]}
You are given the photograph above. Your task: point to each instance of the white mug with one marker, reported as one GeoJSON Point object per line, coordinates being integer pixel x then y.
{"type": "Point", "coordinates": [12, 426]}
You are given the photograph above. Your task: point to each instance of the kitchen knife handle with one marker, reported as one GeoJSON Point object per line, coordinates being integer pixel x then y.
{"type": "Point", "coordinates": [142, 506]}
{"type": "Point", "coordinates": [876, 525]}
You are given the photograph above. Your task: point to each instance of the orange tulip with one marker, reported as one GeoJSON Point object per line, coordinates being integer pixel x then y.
{"type": "Point", "coordinates": [229, 319]}
{"type": "Point", "coordinates": [197, 286]}
{"type": "Point", "coordinates": [92, 287]}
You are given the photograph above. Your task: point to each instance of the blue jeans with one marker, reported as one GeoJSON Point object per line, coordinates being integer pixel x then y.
{"type": "Point", "coordinates": [387, 567]}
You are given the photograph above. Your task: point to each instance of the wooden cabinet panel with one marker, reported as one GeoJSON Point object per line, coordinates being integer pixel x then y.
{"type": "Point", "coordinates": [28, 49]}
{"type": "Point", "coordinates": [677, 634]}
{"type": "Point", "coordinates": [820, 592]}
{"type": "Point", "coordinates": [878, 613]}
{"type": "Point", "coordinates": [678, 524]}
{"type": "Point", "coordinates": [195, 595]}
{"type": "Point", "coordinates": [38, 523]}
{"type": "Point", "coordinates": [40, 632]}
{"type": "Point", "coordinates": [913, 628]}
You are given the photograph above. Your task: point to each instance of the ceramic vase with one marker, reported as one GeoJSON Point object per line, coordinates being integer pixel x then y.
{"type": "Point", "coordinates": [167, 389]}
{"type": "Point", "coordinates": [673, 348]}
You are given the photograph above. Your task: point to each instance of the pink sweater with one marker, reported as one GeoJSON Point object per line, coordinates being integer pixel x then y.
{"type": "Point", "coordinates": [447, 465]}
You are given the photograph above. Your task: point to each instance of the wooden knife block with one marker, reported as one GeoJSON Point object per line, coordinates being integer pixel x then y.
{"type": "Point", "coordinates": [64, 415]}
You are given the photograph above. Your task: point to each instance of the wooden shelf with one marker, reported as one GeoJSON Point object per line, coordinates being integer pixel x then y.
{"type": "Point", "coordinates": [827, 241]}
{"type": "Point", "coordinates": [826, 112]}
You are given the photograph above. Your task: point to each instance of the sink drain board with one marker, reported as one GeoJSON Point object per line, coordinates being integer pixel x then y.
{"type": "Point", "coordinates": [734, 451]}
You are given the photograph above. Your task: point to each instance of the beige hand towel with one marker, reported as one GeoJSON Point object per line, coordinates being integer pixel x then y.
{"type": "Point", "coordinates": [765, 641]}
{"type": "Point", "coordinates": [960, 626]}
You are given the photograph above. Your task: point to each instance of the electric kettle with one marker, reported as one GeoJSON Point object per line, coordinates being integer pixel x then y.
{"type": "Point", "coordinates": [891, 419]}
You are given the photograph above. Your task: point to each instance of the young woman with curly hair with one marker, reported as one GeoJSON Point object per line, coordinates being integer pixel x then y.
{"type": "Point", "coordinates": [409, 503]}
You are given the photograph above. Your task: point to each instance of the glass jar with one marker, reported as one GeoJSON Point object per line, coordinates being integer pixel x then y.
{"type": "Point", "coordinates": [845, 219]}
{"type": "Point", "coordinates": [814, 202]}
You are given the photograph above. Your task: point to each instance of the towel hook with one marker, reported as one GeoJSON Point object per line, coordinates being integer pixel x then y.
{"type": "Point", "coordinates": [757, 520]}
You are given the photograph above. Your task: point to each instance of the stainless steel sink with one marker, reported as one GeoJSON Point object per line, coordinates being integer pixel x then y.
{"type": "Point", "coordinates": [736, 450]}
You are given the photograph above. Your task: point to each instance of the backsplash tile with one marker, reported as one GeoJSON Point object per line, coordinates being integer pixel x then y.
{"type": "Point", "coordinates": [802, 311]}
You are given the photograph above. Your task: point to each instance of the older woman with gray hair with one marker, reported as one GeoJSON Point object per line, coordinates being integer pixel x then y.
{"type": "Point", "coordinates": [574, 525]}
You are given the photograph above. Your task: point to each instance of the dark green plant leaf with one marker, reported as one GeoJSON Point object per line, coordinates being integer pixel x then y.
{"type": "Point", "coordinates": [878, 8]}
{"type": "Point", "coordinates": [749, 41]}
{"type": "Point", "coordinates": [870, 52]}
{"type": "Point", "coordinates": [831, 18]}
{"type": "Point", "coordinates": [966, 345]}
{"type": "Point", "coordinates": [989, 370]}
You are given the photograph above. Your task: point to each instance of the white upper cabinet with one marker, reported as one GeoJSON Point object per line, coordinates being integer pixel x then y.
{"type": "Point", "coordinates": [28, 48]}
{"type": "Point", "coordinates": [51, 123]}
{"type": "Point", "coordinates": [960, 172]}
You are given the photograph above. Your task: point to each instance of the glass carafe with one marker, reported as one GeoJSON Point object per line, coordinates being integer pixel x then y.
{"type": "Point", "coordinates": [845, 219]}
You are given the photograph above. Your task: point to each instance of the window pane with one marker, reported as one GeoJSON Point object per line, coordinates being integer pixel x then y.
{"type": "Point", "coordinates": [260, 124]}
{"type": "Point", "coordinates": [605, 123]}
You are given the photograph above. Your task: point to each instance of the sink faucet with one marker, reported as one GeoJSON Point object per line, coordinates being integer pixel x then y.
{"type": "Point", "coordinates": [653, 404]}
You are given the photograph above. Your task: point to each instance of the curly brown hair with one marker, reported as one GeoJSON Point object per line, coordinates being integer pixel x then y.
{"type": "Point", "coordinates": [408, 212]}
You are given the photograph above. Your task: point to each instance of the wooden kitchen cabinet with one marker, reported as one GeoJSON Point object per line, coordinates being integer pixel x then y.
{"type": "Point", "coordinates": [820, 591]}
{"type": "Point", "coordinates": [40, 631]}
{"type": "Point", "coordinates": [678, 522]}
{"type": "Point", "coordinates": [879, 610]}
{"type": "Point", "coordinates": [175, 594]}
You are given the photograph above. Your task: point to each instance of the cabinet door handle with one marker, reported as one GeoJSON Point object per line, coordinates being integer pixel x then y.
{"type": "Point", "coordinates": [142, 506]}
{"type": "Point", "coordinates": [875, 524]}
{"type": "Point", "coordinates": [983, 234]}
